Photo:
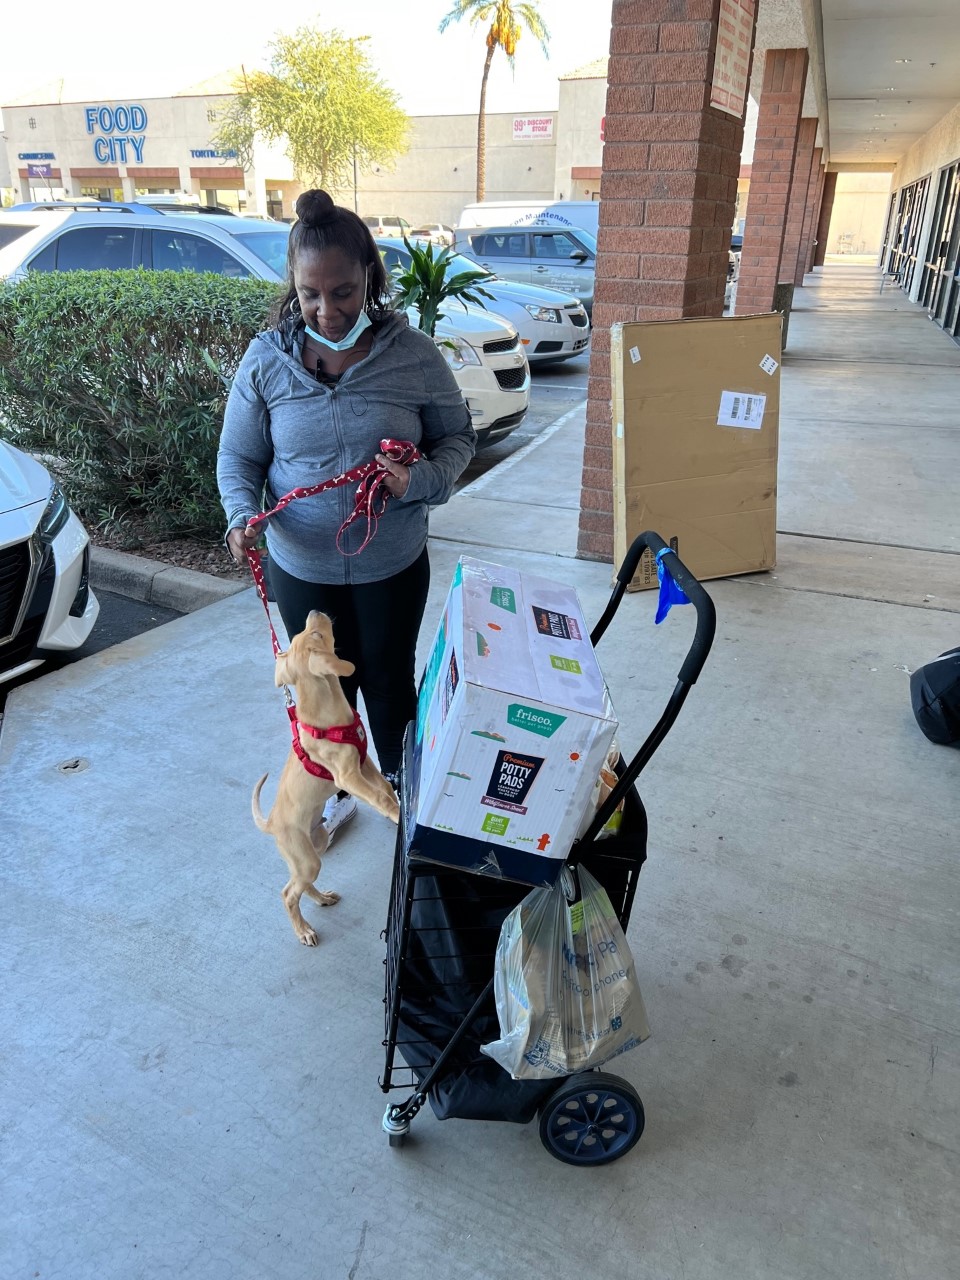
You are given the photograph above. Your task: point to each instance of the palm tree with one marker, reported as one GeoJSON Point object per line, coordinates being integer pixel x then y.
{"type": "Point", "coordinates": [505, 31]}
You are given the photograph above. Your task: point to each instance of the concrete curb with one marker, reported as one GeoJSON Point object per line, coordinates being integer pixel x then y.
{"type": "Point", "coordinates": [153, 582]}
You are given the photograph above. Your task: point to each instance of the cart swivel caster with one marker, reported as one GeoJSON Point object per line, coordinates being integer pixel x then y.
{"type": "Point", "coordinates": [592, 1119]}
{"type": "Point", "coordinates": [396, 1130]}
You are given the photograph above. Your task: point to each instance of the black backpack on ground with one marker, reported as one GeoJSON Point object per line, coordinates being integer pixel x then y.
{"type": "Point", "coordinates": [935, 693]}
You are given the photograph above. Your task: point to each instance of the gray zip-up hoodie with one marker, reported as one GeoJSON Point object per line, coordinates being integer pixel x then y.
{"type": "Point", "coordinates": [284, 428]}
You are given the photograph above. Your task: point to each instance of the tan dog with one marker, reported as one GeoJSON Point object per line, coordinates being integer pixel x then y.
{"type": "Point", "coordinates": [295, 821]}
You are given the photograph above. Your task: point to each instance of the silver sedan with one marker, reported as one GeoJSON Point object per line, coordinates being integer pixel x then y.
{"type": "Point", "coordinates": [552, 326]}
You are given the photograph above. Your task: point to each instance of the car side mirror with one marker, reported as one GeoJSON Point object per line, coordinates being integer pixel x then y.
{"type": "Point", "coordinates": [578, 255]}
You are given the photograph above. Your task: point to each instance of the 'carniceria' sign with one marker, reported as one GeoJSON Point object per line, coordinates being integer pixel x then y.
{"type": "Point", "coordinates": [121, 131]}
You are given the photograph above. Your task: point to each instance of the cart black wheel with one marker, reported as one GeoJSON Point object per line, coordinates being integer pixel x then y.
{"type": "Point", "coordinates": [397, 1139]}
{"type": "Point", "coordinates": [592, 1119]}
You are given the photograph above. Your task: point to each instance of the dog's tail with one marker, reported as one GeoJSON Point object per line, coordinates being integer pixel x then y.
{"type": "Point", "coordinates": [258, 817]}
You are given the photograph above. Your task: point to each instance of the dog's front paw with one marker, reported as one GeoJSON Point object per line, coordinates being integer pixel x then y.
{"type": "Point", "coordinates": [309, 937]}
{"type": "Point", "coordinates": [327, 899]}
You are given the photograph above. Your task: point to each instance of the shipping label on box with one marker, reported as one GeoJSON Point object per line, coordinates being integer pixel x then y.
{"type": "Point", "coordinates": [513, 725]}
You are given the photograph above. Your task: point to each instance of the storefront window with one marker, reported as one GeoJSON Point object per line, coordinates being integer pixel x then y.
{"type": "Point", "coordinates": [940, 288]}
{"type": "Point", "coordinates": [903, 233]}
{"type": "Point", "coordinates": [102, 193]}
{"type": "Point", "coordinates": [235, 201]}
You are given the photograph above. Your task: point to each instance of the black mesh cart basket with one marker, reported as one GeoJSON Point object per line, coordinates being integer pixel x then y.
{"type": "Point", "coordinates": [441, 938]}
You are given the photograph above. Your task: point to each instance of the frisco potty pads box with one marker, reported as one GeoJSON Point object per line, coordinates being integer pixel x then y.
{"type": "Point", "coordinates": [513, 726]}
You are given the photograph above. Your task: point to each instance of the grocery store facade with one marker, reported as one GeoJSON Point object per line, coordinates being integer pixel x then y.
{"type": "Point", "coordinates": [874, 165]}
{"type": "Point", "coordinates": [117, 150]}
{"type": "Point", "coordinates": [120, 149]}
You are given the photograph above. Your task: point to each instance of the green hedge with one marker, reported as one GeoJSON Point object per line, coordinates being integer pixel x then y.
{"type": "Point", "coordinates": [119, 379]}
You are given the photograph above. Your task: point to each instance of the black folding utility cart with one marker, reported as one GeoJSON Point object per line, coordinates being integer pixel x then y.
{"type": "Point", "coordinates": [441, 938]}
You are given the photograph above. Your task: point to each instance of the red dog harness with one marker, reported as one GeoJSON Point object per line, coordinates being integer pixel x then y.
{"type": "Point", "coordinates": [353, 734]}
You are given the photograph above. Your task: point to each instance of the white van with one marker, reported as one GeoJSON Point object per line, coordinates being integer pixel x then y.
{"type": "Point", "coordinates": [523, 213]}
{"type": "Point", "coordinates": [544, 254]}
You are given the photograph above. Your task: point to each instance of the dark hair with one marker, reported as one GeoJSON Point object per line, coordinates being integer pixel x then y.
{"type": "Point", "coordinates": [320, 225]}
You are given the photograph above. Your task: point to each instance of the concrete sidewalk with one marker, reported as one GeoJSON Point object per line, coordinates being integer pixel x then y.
{"type": "Point", "coordinates": [186, 1091]}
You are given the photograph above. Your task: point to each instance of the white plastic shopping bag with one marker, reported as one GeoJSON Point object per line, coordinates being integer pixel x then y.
{"type": "Point", "coordinates": [565, 985]}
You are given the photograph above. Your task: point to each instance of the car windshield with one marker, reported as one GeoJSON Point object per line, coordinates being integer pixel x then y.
{"type": "Point", "coordinates": [458, 262]}
{"type": "Point", "coordinates": [589, 240]}
{"type": "Point", "coordinates": [269, 245]}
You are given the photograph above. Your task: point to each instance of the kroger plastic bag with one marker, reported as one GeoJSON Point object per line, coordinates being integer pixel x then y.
{"type": "Point", "coordinates": [565, 985]}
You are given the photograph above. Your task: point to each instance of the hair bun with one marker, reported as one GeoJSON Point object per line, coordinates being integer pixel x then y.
{"type": "Point", "coordinates": [315, 207]}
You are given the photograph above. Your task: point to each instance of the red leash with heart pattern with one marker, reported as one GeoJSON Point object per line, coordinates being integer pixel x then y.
{"type": "Point", "coordinates": [371, 500]}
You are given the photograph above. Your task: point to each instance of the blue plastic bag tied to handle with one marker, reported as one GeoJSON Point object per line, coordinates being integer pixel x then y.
{"type": "Point", "coordinates": [670, 593]}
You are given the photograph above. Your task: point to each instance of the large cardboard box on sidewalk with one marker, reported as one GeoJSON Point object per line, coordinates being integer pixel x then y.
{"type": "Point", "coordinates": [696, 409]}
{"type": "Point", "coordinates": [513, 725]}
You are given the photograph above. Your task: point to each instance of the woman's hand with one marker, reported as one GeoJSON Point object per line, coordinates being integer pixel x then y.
{"type": "Point", "coordinates": [397, 479]}
{"type": "Point", "coordinates": [240, 541]}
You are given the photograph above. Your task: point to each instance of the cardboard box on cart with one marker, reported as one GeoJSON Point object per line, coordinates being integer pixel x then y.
{"type": "Point", "coordinates": [513, 725]}
{"type": "Point", "coordinates": [696, 407]}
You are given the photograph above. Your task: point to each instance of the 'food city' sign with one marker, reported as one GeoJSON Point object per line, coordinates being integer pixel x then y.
{"type": "Point", "coordinates": [120, 133]}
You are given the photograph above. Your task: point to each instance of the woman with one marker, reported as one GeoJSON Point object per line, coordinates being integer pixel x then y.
{"type": "Point", "coordinates": [313, 397]}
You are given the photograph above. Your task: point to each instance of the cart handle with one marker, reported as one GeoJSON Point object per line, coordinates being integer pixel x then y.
{"type": "Point", "coordinates": [688, 584]}
{"type": "Point", "coordinates": [692, 664]}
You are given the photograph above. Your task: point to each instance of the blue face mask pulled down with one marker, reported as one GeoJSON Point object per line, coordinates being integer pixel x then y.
{"type": "Point", "coordinates": [350, 340]}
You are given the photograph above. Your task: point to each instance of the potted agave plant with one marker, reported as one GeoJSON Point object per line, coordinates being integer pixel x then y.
{"type": "Point", "coordinates": [427, 282]}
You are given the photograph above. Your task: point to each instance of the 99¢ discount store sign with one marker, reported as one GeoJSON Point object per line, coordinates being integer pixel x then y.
{"type": "Point", "coordinates": [526, 128]}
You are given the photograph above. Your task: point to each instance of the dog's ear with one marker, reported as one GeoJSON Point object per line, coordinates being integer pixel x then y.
{"type": "Point", "coordinates": [328, 664]}
{"type": "Point", "coordinates": [281, 673]}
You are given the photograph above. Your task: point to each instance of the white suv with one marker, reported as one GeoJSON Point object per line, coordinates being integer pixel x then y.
{"type": "Point", "coordinates": [486, 355]}
{"type": "Point", "coordinates": [46, 605]}
{"type": "Point", "coordinates": [387, 224]}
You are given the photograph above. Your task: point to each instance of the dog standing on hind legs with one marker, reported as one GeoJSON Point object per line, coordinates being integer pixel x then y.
{"type": "Point", "coordinates": [330, 739]}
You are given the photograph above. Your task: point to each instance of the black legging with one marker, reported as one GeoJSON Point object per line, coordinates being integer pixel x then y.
{"type": "Point", "coordinates": [375, 626]}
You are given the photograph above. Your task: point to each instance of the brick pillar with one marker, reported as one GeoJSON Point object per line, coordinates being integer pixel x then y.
{"type": "Point", "coordinates": [816, 218]}
{"type": "Point", "coordinates": [823, 222]}
{"type": "Point", "coordinates": [809, 218]}
{"type": "Point", "coordinates": [668, 196]}
{"type": "Point", "coordinates": [799, 195]}
{"type": "Point", "coordinates": [778, 125]}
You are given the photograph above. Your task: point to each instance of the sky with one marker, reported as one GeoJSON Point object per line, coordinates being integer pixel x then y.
{"type": "Point", "coordinates": [104, 49]}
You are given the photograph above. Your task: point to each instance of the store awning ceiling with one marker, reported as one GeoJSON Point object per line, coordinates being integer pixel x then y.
{"type": "Point", "coordinates": [882, 72]}
{"type": "Point", "coordinates": [892, 71]}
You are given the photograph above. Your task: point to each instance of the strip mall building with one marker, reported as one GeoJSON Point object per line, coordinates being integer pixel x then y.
{"type": "Point", "coordinates": [856, 113]}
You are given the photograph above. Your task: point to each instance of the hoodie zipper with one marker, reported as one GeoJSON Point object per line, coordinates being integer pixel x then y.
{"type": "Point", "coordinates": [344, 493]}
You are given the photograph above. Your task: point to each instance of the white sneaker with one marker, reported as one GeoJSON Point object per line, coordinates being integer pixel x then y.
{"type": "Point", "coordinates": [336, 812]}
